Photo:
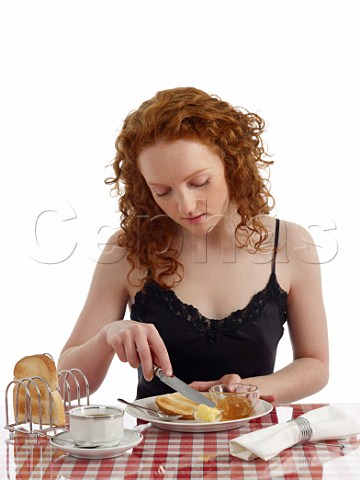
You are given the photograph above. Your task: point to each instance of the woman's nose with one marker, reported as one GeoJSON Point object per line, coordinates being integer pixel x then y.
{"type": "Point", "coordinates": [186, 204]}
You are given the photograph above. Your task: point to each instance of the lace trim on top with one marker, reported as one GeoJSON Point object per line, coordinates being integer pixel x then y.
{"type": "Point", "coordinates": [229, 324]}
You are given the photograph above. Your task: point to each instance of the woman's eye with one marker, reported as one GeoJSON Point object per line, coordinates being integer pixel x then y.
{"type": "Point", "coordinates": [161, 194]}
{"type": "Point", "coordinates": [199, 185]}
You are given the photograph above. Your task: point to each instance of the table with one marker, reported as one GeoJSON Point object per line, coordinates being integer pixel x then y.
{"type": "Point", "coordinates": [176, 455]}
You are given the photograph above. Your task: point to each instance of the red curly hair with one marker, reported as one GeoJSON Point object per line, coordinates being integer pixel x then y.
{"type": "Point", "coordinates": [187, 112]}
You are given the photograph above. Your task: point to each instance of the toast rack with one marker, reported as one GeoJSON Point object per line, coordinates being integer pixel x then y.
{"type": "Point", "coordinates": [13, 424]}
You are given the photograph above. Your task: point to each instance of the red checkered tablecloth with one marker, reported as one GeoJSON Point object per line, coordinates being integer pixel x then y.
{"type": "Point", "coordinates": [175, 455]}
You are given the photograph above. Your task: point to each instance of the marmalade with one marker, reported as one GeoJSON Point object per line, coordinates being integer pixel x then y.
{"type": "Point", "coordinates": [234, 407]}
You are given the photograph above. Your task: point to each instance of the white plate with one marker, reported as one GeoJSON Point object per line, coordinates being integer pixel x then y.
{"type": "Point", "coordinates": [64, 441]}
{"type": "Point", "coordinates": [262, 408]}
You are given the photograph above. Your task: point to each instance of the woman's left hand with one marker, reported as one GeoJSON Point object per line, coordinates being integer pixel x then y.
{"type": "Point", "coordinates": [228, 379]}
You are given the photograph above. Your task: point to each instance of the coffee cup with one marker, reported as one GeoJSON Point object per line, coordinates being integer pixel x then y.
{"type": "Point", "coordinates": [96, 425]}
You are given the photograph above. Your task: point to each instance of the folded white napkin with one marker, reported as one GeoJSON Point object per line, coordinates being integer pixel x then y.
{"type": "Point", "coordinates": [327, 423]}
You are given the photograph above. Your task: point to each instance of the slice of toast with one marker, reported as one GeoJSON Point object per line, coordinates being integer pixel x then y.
{"type": "Point", "coordinates": [176, 403]}
{"type": "Point", "coordinates": [44, 367]}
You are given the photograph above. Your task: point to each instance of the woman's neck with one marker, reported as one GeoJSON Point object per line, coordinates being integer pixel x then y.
{"type": "Point", "coordinates": [222, 237]}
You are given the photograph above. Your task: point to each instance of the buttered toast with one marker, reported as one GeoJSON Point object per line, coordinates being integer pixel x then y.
{"type": "Point", "coordinates": [177, 404]}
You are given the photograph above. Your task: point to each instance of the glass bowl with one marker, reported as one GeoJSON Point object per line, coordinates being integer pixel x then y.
{"type": "Point", "coordinates": [236, 400]}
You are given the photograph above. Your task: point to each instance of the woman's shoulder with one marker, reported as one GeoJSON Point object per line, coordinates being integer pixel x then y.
{"type": "Point", "coordinates": [118, 265]}
{"type": "Point", "coordinates": [294, 241]}
{"type": "Point", "coordinates": [298, 243]}
{"type": "Point", "coordinates": [112, 252]}
{"type": "Point", "coordinates": [292, 229]}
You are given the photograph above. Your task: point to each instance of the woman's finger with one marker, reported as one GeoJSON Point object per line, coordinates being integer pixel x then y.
{"type": "Point", "coordinates": [145, 356]}
{"type": "Point", "coordinates": [159, 353]}
{"type": "Point", "coordinates": [268, 398]}
{"type": "Point", "coordinates": [120, 352]}
{"type": "Point", "coordinates": [230, 380]}
{"type": "Point", "coordinates": [203, 386]}
{"type": "Point", "coordinates": [139, 344]}
{"type": "Point", "coordinates": [131, 351]}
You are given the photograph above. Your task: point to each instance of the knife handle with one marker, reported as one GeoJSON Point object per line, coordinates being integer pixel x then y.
{"type": "Point", "coordinates": [158, 372]}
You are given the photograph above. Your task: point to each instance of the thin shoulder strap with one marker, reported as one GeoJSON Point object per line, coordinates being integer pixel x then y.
{"type": "Point", "coordinates": [276, 241]}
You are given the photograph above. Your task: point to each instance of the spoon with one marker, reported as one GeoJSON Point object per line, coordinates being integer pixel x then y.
{"type": "Point", "coordinates": [160, 415]}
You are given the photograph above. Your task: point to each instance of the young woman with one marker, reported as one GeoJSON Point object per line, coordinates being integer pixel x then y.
{"type": "Point", "coordinates": [209, 276]}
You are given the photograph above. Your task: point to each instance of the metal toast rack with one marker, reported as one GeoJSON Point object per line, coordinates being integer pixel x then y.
{"type": "Point", "coordinates": [26, 425]}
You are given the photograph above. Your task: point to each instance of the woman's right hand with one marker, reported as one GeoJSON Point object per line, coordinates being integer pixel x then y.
{"type": "Point", "coordinates": [139, 344]}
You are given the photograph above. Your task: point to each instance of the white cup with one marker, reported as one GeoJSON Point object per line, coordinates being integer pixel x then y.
{"type": "Point", "coordinates": [96, 425]}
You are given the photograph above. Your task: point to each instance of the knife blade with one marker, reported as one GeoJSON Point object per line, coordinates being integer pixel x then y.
{"type": "Point", "coordinates": [183, 388]}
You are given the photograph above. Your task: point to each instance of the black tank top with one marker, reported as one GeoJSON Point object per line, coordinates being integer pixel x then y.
{"type": "Point", "coordinates": [245, 342]}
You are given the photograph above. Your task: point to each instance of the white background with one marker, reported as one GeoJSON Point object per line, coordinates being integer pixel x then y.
{"type": "Point", "coordinates": [70, 73]}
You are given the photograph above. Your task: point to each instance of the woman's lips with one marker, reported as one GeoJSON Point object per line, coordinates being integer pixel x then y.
{"type": "Point", "coordinates": [196, 219]}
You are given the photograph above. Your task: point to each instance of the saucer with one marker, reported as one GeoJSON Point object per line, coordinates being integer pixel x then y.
{"type": "Point", "coordinates": [64, 441]}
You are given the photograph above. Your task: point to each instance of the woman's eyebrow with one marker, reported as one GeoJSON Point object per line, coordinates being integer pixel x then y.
{"type": "Point", "coordinates": [193, 174]}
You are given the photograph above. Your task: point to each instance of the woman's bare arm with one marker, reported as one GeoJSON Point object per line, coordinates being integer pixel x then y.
{"type": "Point", "coordinates": [309, 371]}
{"type": "Point", "coordinates": [98, 334]}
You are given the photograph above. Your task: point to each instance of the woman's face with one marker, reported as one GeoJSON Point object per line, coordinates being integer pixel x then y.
{"type": "Point", "coordinates": [187, 180]}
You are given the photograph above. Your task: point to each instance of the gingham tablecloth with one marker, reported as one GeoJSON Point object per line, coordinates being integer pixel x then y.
{"type": "Point", "coordinates": [175, 455]}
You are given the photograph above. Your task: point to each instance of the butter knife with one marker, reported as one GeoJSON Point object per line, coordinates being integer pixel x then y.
{"type": "Point", "coordinates": [183, 388]}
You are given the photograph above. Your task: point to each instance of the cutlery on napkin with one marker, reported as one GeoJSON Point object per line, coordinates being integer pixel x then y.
{"type": "Point", "coordinates": [324, 423]}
